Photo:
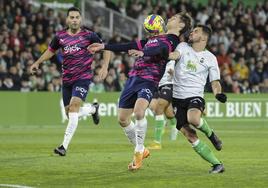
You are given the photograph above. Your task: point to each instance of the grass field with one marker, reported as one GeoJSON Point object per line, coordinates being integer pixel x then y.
{"type": "Point", "coordinates": [98, 157]}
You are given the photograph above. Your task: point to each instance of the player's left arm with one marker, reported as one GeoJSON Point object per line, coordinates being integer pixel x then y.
{"type": "Point", "coordinates": [104, 67]}
{"type": "Point", "coordinates": [106, 57]}
{"type": "Point", "coordinates": [214, 76]}
{"type": "Point", "coordinates": [217, 91]}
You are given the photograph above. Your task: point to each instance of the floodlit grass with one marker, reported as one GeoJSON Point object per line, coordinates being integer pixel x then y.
{"type": "Point", "coordinates": [98, 157]}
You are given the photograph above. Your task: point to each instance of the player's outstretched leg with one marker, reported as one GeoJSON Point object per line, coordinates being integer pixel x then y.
{"type": "Point", "coordinates": [204, 127]}
{"type": "Point", "coordinates": [204, 151]}
{"type": "Point", "coordinates": [69, 132]}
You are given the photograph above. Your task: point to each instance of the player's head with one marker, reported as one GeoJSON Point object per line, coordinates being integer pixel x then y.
{"type": "Point", "coordinates": [201, 33]}
{"type": "Point", "coordinates": [73, 19]}
{"type": "Point", "coordinates": [180, 20]}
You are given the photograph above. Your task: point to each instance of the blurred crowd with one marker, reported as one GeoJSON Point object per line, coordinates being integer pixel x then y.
{"type": "Point", "coordinates": [239, 40]}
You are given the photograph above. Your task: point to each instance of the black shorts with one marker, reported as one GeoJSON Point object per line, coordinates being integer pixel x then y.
{"type": "Point", "coordinates": [164, 92]}
{"type": "Point", "coordinates": [181, 106]}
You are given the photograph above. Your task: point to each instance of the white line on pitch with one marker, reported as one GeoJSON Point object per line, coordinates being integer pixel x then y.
{"type": "Point", "coordinates": [15, 186]}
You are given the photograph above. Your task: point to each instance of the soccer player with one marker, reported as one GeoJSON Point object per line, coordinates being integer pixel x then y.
{"type": "Point", "coordinates": [76, 71]}
{"type": "Point", "coordinates": [143, 80]}
{"type": "Point", "coordinates": [195, 64]}
{"type": "Point", "coordinates": [161, 106]}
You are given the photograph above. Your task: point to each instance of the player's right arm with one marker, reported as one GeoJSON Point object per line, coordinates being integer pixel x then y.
{"type": "Point", "coordinates": [53, 46]}
{"type": "Point", "coordinates": [44, 57]}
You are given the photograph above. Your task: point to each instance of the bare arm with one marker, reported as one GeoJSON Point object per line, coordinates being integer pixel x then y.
{"type": "Point", "coordinates": [44, 57]}
{"type": "Point", "coordinates": [217, 91]}
{"type": "Point", "coordinates": [104, 68]}
{"type": "Point", "coordinates": [216, 87]}
{"type": "Point", "coordinates": [106, 57]}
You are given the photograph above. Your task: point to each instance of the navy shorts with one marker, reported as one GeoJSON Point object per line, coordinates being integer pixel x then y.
{"type": "Point", "coordinates": [135, 88]}
{"type": "Point", "coordinates": [78, 88]}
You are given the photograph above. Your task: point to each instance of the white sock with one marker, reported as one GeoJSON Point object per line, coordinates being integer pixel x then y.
{"type": "Point", "coordinates": [141, 127]}
{"type": "Point", "coordinates": [130, 132]}
{"type": "Point", "coordinates": [86, 110]}
{"type": "Point", "coordinates": [71, 127]}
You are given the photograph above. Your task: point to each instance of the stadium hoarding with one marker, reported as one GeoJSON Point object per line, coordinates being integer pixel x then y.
{"type": "Point", "coordinates": [44, 108]}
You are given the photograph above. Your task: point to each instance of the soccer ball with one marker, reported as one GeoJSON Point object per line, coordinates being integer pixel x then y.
{"type": "Point", "coordinates": [154, 24]}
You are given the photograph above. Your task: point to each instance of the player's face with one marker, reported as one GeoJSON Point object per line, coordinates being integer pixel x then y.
{"type": "Point", "coordinates": [74, 20]}
{"type": "Point", "coordinates": [196, 35]}
{"type": "Point", "coordinates": [173, 22]}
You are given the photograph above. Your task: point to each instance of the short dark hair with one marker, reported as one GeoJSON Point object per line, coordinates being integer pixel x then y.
{"type": "Point", "coordinates": [206, 30]}
{"type": "Point", "coordinates": [187, 19]}
{"type": "Point", "coordinates": [73, 9]}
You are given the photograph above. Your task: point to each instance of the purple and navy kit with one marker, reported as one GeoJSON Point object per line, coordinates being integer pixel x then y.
{"type": "Point", "coordinates": [147, 70]}
{"type": "Point", "coordinates": [77, 60]}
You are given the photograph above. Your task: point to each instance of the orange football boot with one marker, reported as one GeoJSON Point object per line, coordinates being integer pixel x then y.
{"type": "Point", "coordinates": [137, 161]}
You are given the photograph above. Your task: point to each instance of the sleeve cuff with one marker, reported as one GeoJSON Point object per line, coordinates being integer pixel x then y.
{"type": "Point", "coordinates": [51, 49]}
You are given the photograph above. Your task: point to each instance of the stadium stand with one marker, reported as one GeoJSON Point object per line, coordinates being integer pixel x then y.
{"type": "Point", "coordinates": [239, 41]}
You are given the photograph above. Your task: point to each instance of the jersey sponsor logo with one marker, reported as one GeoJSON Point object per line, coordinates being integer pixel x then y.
{"type": "Point", "coordinates": [191, 66]}
{"type": "Point", "coordinates": [202, 60]}
{"type": "Point", "coordinates": [70, 49]}
{"type": "Point", "coordinates": [152, 41]}
{"type": "Point", "coordinates": [81, 90]}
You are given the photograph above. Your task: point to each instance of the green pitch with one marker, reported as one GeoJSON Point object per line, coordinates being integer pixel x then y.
{"type": "Point", "coordinates": [98, 157]}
